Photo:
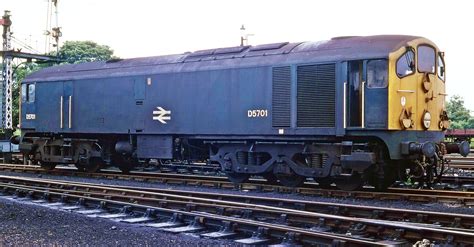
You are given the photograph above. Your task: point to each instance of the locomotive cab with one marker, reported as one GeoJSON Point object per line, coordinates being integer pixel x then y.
{"type": "Point", "coordinates": [418, 88]}
{"type": "Point", "coordinates": [404, 92]}
{"type": "Point", "coordinates": [418, 96]}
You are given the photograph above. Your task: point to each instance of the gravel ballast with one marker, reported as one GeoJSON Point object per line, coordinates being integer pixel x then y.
{"type": "Point", "coordinates": [35, 225]}
{"type": "Point", "coordinates": [434, 206]}
{"type": "Point", "coordinates": [27, 224]}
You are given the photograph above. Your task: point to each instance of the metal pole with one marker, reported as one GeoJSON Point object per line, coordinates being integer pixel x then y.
{"type": "Point", "coordinates": [242, 34]}
{"type": "Point", "coordinates": [7, 74]}
{"type": "Point", "coordinates": [7, 81]}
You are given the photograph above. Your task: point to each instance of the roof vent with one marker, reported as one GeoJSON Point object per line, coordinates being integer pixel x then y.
{"type": "Point", "coordinates": [265, 47]}
{"type": "Point", "coordinates": [202, 53]}
{"type": "Point", "coordinates": [114, 60]}
{"type": "Point", "coordinates": [235, 49]}
{"type": "Point", "coordinates": [219, 51]}
{"type": "Point", "coordinates": [343, 37]}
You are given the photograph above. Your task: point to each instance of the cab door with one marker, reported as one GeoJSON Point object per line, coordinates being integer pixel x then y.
{"type": "Point", "coordinates": [47, 106]}
{"type": "Point", "coordinates": [28, 107]}
{"type": "Point", "coordinates": [375, 94]}
{"type": "Point", "coordinates": [366, 94]}
{"type": "Point", "coordinates": [67, 106]}
{"type": "Point", "coordinates": [54, 106]}
{"type": "Point", "coordinates": [353, 95]}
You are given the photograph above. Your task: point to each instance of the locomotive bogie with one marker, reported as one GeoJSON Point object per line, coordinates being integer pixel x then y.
{"type": "Point", "coordinates": [49, 151]}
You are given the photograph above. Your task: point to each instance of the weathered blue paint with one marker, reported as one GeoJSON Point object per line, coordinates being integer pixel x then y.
{"type": "Point", "coordinates": [208, 93]}
{"type": "Point", "coordinates": [294, 53]}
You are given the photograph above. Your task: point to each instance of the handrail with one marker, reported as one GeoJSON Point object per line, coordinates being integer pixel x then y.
{"type": "Point", "coordinates": [61, 123]}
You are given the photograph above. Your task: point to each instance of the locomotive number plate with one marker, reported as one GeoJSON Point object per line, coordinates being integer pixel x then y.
{"type": "Point", "coordinates": [257, 113]}
{"type": "Point", "coordinates": [30, 116]}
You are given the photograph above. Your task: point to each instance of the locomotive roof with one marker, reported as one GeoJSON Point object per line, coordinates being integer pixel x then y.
{"type": "Point", "coordinates": [336, 49]}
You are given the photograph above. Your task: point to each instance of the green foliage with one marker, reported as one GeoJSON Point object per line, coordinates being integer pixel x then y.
{"type": "Point", "coordinates": [84, 51]}
{"type": "Point", "coordinates": [470, 123]}
{"type": "Point", "coordinates": [70, 52]}
{"type": "Point", "coordinates": [458, 114]}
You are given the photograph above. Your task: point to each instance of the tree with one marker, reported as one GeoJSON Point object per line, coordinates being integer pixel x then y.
{"type": "Point", "coordinates": [70, 52]}
{"type": "Point", "coordinates": [84, 51]}
{"type": "Point", "coordinates": [470, 123]}
{"type": "Point", "coordinates": [458, 114]}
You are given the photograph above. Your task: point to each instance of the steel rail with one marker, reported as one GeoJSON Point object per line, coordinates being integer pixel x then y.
{"type": "Point", "coordinates": [442, 196]}
{"type": "Point", "coordinates": [242, 225]}
{"type": "Point", "coordinates": [373, 226]}
{"type": "Point", "coordinates": [462, 220]}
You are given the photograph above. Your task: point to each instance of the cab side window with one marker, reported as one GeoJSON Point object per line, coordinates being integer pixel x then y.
{"type": "Point", "coordinates": [426, 59]}
{"type": "Point", "coordinates": [24, 96]}
{"type": "Point", "coordinates": [31, 93]}
{"type": "Point", "coordinates": [441, 68]}
{"type": "Point", "coordinates": [28, 93]}
{"type": "Point", "coordinates": [406, 64]}
{"type": "Point", "coordinates": [377, 73]}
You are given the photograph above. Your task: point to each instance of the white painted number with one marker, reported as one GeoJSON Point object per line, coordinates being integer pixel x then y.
{"type": "Point", "coordinates": [257, 113]}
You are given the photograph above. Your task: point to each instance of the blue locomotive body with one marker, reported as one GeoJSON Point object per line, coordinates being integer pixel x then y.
{"type": "Point", "coordinates": [280, 109]}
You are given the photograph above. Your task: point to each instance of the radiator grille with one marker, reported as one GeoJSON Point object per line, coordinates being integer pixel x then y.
{"type": "Point", "coordinates": [316, 95]}
{"type": "Point", "coordinates": [281, 93]}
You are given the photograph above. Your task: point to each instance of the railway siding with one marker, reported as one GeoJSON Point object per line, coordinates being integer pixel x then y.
{"type": "Point", "coordinates": [212, 212]}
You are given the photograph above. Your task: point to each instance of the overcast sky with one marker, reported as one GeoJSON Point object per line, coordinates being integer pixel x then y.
{"type": "Point", "coordinates": [146, 28]}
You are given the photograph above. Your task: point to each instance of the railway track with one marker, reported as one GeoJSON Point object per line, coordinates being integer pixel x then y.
{"type": "Point", "coordinates": [456, 197]}
{"type": "Point", "coordinates": [459, 162]}
{"type": "Point", "coordinates": [256, 219]}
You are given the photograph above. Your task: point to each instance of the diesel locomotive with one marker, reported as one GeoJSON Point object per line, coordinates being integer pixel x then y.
{"type": "Point", "coordinates": [348, 111]}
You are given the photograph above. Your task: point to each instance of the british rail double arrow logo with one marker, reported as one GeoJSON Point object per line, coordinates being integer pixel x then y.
{"type": "Point", "coordinates": [161, 115]}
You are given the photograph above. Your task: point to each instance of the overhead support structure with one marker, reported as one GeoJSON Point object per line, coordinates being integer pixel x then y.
{"type": "Point", "coordinates": [30, 56]}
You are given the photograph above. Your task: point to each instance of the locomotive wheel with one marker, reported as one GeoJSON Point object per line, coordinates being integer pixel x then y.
{"type": "Point", "coordinates": [94, 165]}
{"type": "Point", "coordinates": [381, 184]}
{"type": "Point", "coordinates": [349, 183]}
{"type": "Point", "coordinates": [381, 180]}
{"type": "Point", "coordinates": [80, 168]}
{"type": "Point", "coordinates": [48, 166]}
{"type": "Point", "coordinates": [324, 183]}
{"type": "Point", "coordinates": [88, 168]}
{"type": "Point", "coordinates": [237, 178]}
{"type": "Point", "coordinates": [125, 169]}
{"type": "Point", "coordinates": [125, 165]}
{"type": "Point", "coordinates": [270, 177]}
{"type": "Point", "coordinates": [290, 180]}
